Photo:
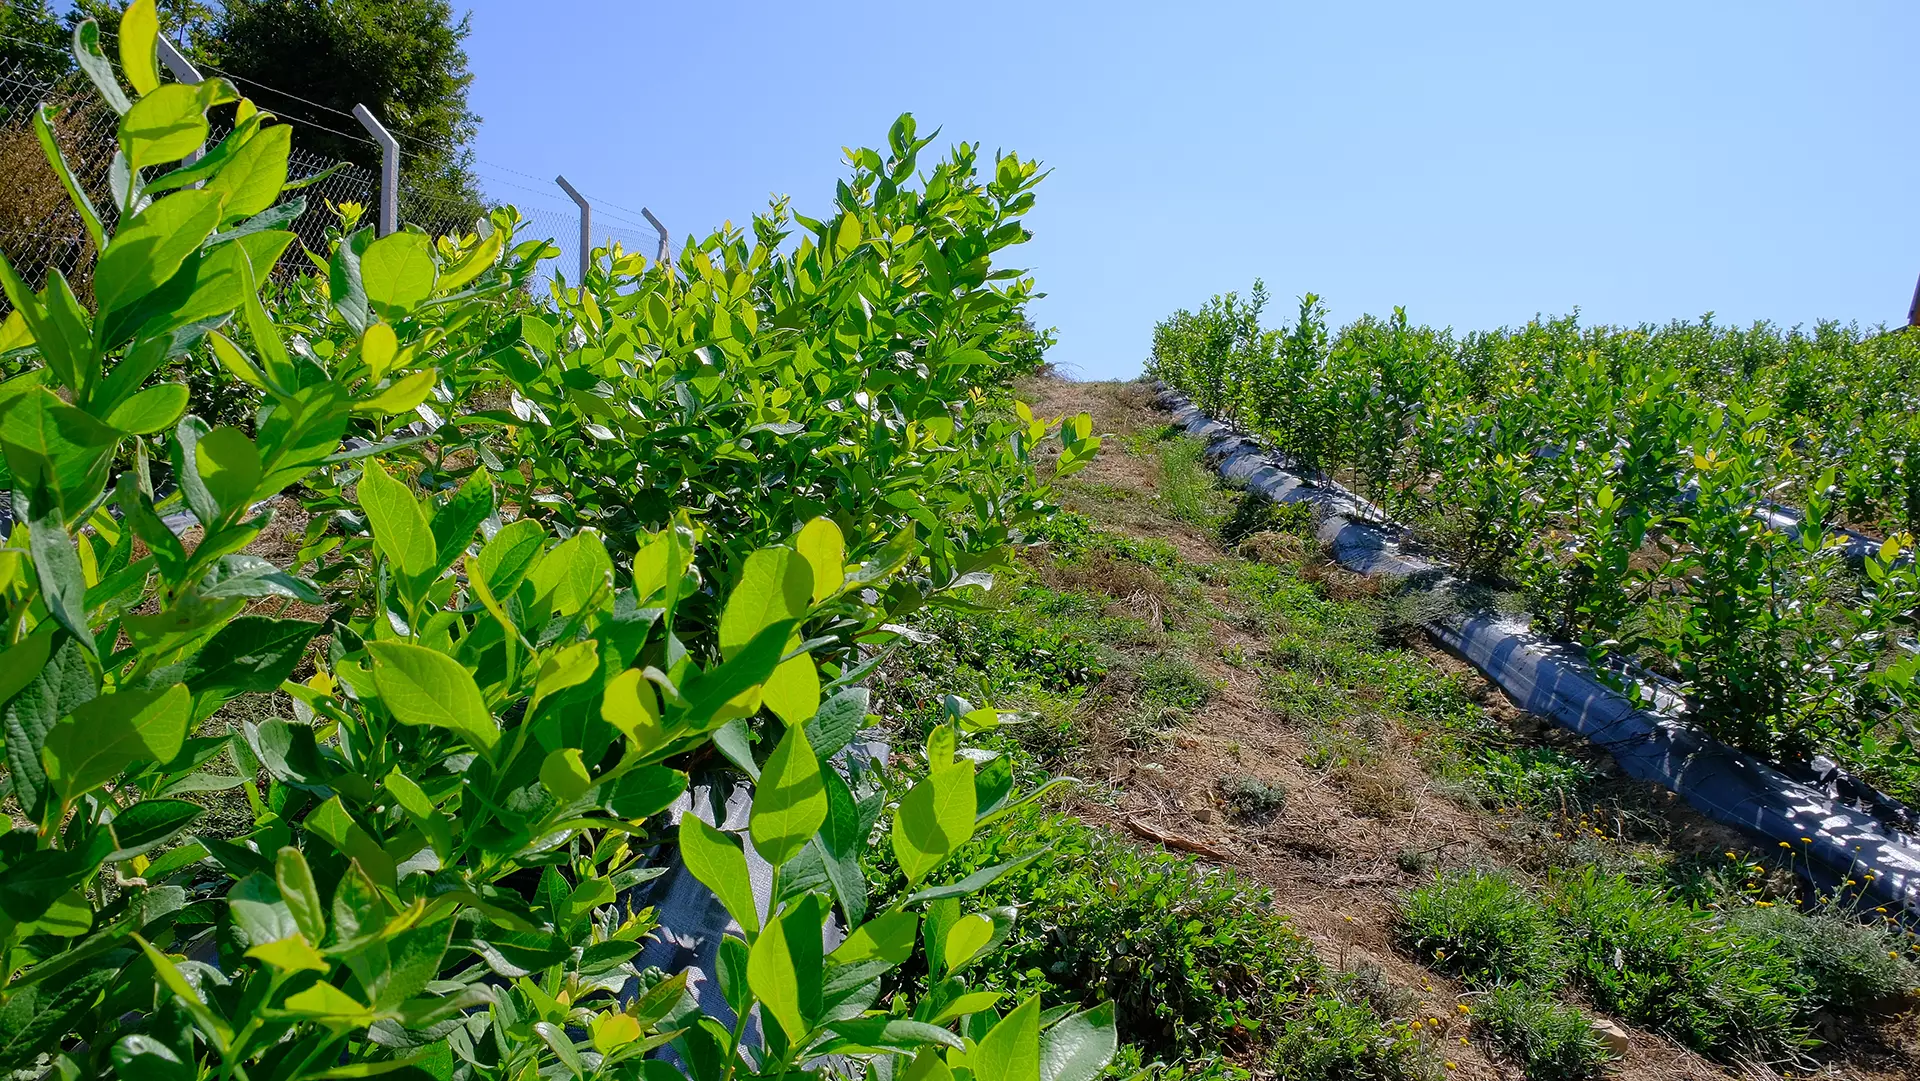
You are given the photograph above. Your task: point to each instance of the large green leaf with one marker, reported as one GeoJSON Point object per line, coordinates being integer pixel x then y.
{"type": "Point", "coordinates": [572, 573]}
{"type": "Point", "coordinates": [1011, 1050]}
{"type": "Point", "coordinates": [718, 862]}
{"type": "Point", "coordinates": [56, 452]}
{"type": "Point", "coordinates": [398, 271]}
{"type": "Point", "coordinates": [1079, 1046]}
{"type": "Point", "coordinates": [399, 524]}
{"type": "Point", "coordinates": [425, 687]}
{"type": "Point", "coordinates": [784, 967]}
{"type": "Point", "coordinates": [63, 679]}
{"type": "Point", "coordinates": [774, 585]}
{"type": "Point", "coordinates": [149, 824]}
{"type": "Point", "coordinates": [302, 896]}
{"type": "Point", "coordinates": [154, 409]}
{"type": "Point", "coordinates": [252, 654]}
{"type": "Point", "coordinates": [150, 248]}
{"type": "Point", "coordinates": [790, 802]}
{"type": "Point", "coordinates": [251, 180]}
{"type": "Point", "coordinates": [105, 735]}
{"type": "Point", "coordinates": [936, 817]}
{"type": "Point", "coordinates": [229, 466]}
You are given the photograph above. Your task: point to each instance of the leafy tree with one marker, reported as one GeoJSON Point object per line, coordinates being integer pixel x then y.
{"type": "Point", "coordinates": [401, 58]}
{"type": "Point", "coordinates": [32, 43]}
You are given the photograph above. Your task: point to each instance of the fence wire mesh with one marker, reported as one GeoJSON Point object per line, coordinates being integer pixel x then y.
{"type": "Point", "coordinates": [41, 232]}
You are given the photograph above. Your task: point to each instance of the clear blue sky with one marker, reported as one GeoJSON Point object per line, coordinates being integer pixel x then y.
{"type": "Point", "coordinates": [1477, 163]}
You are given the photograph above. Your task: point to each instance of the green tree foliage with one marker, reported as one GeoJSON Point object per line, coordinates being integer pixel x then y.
{"type": "Point", "coordinates": [32, 42]}
{"type": "Point", "coordinates": [403, 59]}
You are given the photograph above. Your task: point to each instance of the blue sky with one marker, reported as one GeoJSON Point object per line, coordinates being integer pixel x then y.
{"type": "Point", "coordinates": [1477, 163]}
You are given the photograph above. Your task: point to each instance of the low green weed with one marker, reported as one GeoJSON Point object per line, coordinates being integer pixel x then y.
{"type": "Point", "coordinates": [1844, 966]}
{"type": "Point", "coordinates": [1551, 1041]}
{"type": "Point", "coordinates": [1188, 488]}
{"type": "Point", "coordinates": [1338, 1040]}
{"type": "Point", "coordinates": [1659, 962]}
{"type": "Point", "coordinates": [1538, 778]}
{"type": "Point", "coordinates": [1483, 927]}
{"type": "Point", "coordinates": [1169, 680]}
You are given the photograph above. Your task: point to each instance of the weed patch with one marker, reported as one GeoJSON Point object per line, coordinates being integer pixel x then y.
{"type": "Point", "coordinates": [1483, 927]}
{"type": "Point", "coordinates": [1551, 1041]}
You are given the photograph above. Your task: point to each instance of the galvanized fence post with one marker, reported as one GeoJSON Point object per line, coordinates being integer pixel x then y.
{"type": "Point", "coordinates": [586, 225]}
{"type": "Point", "coordinates": [389, 169]}
{"type": "Point", "coordinates": [665, 254]}
{"type": "Point", "coordinates": [184, 71]}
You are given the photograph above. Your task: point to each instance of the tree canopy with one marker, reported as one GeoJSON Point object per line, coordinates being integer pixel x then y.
{"type": "Point", "coordinates": [404, 59]}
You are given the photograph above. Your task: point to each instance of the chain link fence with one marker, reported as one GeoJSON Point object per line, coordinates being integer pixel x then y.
{"type": "Point", "coordinates": [41, 232]}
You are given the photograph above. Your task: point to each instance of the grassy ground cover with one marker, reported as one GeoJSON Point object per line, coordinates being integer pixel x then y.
{"type": "Point", "coordinates": [1308, 845]}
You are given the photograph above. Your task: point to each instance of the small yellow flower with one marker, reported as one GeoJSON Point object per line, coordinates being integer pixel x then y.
{"type": "Point", "coordinates": [1463, 1008]}
{"type": "Point", "coordinates": [1451, 1066]}
{"type": "Point", "coordinates": [1784, 844]}
{"type": "Point", "coordinates": [1732, 856]}
{"type": "Point", "coordinates": [1806, 840]}
{"type": "Point", "coordinates": [1763, 904]}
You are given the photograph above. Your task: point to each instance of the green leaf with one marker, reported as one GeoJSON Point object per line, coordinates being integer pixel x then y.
{"type": "Point", "coordinates": [63, 584]}
{"type": "Point", "coordinates": [1079, 1046]}
{"type": "Point", "coordinates": [258, 912]}
{"type": "Point", "coordinates": [837, 721]}
{"type": "Point", "coordinates": [424, 687]}
{"type": "Point", "coordinates": [250, 655]}
{"type": "Point", "coordinates": [506, 557]}
{"type": "Point", "coordinates": [421, 809]}
{"type": "Point", "coordinates": [398, 271]}
{"type": "Point", "coordinates": [774, 586]}
{"type": "Point", "coordinates": [149, 824]}
{"type": "Point", "coordinates": [297, 889]}
{"type": "Point", "coordinates": [568, 667]}
{"type": "Point", "coordinates": [792, 692]}
{"type": "Point", "coordinates": [102, 737]}
{"type": "Point", "coordinates": [644, 792]}
{"type": "Point", "coordinates": [824, 548]}
{"type": "Point", "coordinates": [716, 859]}
{"type": "Point", "coordinates": [572, 573]}
{"type": "Point", "coordinates": [790, 802]}
{"type": "Point", "coordinates": [229, 466]}
{"type": "Point", "coordinates": [291, 954]}
{"type": "Point", "coordinates": [152, 410]}
{"type": "Point", "coordinates": [165, 125]}
{"type": "Point", "coordinates": [455, 522]}
{"type": "Point", "coordinates": [888, 937]}
{"type": "Point", "coordinates": [565, 775]}
{"type": "Point", "coordinates": [147, 251]}
{"type": "Point", "coordinates": [784, 967]}
{"type": "Point", "coordinates": [331, 822]}
{"type": "Point", "coordinates": [965, 939]}
{"type": "Point", "coordinates": [399, 524]}
{"type": "Point", "coordinates": [251, 180]}
{"type": "Point", "coordinates": [1011, 1050]}
{"type": "Point", "coordinates": [62, 680]}
{"type": "Point", "coordinates": [936, 817]}
{"type": "Point", "coordinates": [139, 33]}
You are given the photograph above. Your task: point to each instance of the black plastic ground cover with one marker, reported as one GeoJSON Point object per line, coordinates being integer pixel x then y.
{"type": "Point", "coordinates": [1833, 842]}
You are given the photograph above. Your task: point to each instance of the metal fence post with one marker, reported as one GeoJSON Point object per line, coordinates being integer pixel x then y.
{"type": "Point", "coordinates": [1913, 310]}
{"type": "Point", "coordinates": [586, 225]}
{"type": "Point", "coordinates": [184, 71]}
{"type": "Point", "coordinates": [389, 169]}
{"type": "Point", "coordinates": [666, 251]}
